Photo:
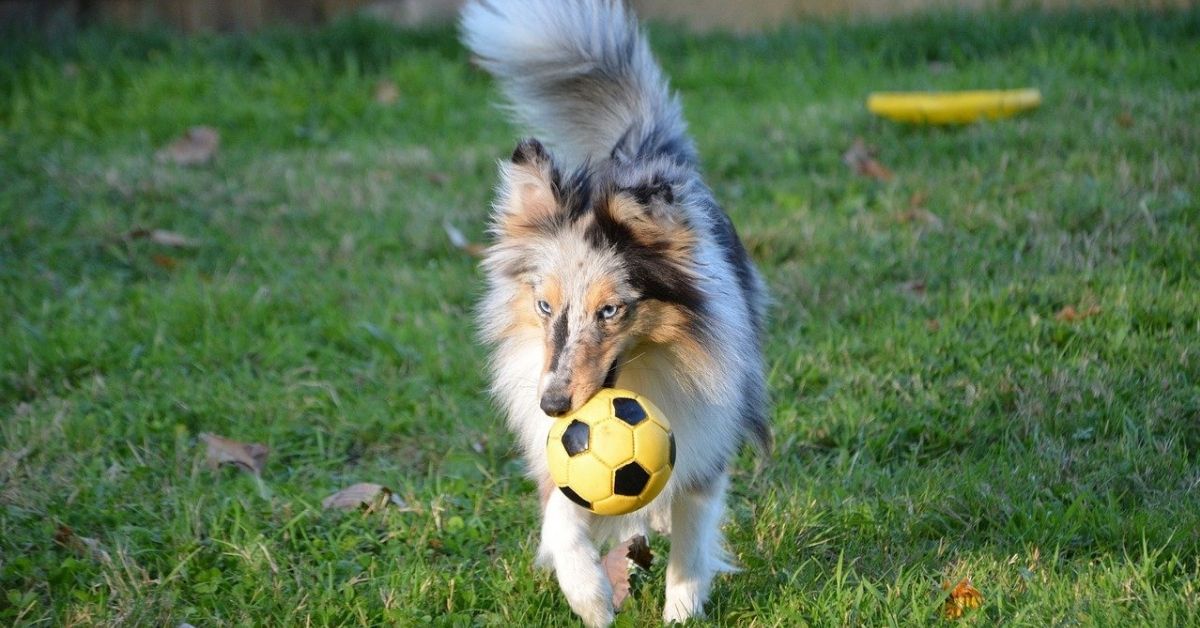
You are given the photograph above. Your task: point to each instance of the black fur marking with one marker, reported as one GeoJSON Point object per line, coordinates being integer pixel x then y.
{"type": "Point", "coordinates": [576, 438]}
{"type": "Point", "coordinates": [631, 480]}
{"type": "Point", "coordinates": [529, 151]}
{"type": "Point", "coordinates": [659, 140]}
{"type": "Point", "coordinates": [577, 193]}
{"type": "Point", "coordinates": [610, 380]}
{"type": "Point", "coordinates": [573, 496]}
{"type": "Point", "coordinates": [736, 256]}
{"type": "Point", "coordinates": [754, 414]}
{"type": "Point", "coordinates": [629, 410]}
{"type": "Point", "coordinates": [558, 338]}
{"type": "Point", "coordinates": [656, 188]}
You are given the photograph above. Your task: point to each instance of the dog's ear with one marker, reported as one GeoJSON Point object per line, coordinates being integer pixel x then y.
{"type": "Point", "coordinates": [528, 199]}
{"type": "Point", "coordinates": [649, 212]}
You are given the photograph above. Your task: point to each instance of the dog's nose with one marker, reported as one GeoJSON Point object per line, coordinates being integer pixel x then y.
{"type": "Point", "coordinates": [556, 404]}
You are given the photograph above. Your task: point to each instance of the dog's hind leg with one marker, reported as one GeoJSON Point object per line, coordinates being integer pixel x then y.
{"type": "Point", "coordinates": [697, 549]}
{"type": "Point", "coordinates": [568, 548]}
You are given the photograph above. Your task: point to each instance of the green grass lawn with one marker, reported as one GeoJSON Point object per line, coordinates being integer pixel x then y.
{"type": "Point", "coordinates": [935, 417]}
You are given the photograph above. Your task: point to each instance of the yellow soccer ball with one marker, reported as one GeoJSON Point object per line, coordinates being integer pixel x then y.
{"type": "Point", "coordinates": [614, 454]}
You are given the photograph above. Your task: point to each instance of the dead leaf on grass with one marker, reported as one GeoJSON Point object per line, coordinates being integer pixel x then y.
{"type": "Point", "coordinates": [197, 146]}
{"type": "Point", "coordinates": [916, 287]}
{"type": "Point", "coordinates": [82, 546]}
{"type": "Point", "coordinates": [249, 457]}
{"type": "Point", "coordinates": [616, 565]}
{"type": "Point", "coordinates": [366, 495]}
{"type": "Point", "coordinates": [386, 92]}
{"type": "Point", "coordinates": [1069, 314]}
{"type": "Point", "coordinates": [861, 159]}
{"type": "Point", "coordinates": [460, 241]}
{"type": "Point", "coordinates": [961, 597]}
{"type": "Point", "coordinates": [165, 262]}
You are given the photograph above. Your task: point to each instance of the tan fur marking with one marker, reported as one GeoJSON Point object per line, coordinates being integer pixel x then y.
{"type": "Point", "coordinates": [601, 293]}
{"type": "Point", "coordinates": [524, 314]}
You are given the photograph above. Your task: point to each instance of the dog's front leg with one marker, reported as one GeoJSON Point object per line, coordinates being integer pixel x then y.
{"type": "Point", "coordinates": [697, 550]}
{"type": "Point", "coordinates": [567, 547]}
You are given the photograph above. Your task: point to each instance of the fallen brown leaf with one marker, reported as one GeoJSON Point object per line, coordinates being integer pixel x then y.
{"type": "Point", "coordinates": [916, 287]}
{"type": "Point", "coordinates": [165, 262]}
{"type": "Point", "coordinates": [961, 597]}
{"type": "Point", "coordinates": [460, 241]}
{"type": "Point", "coordinates": [616, 565]}
{"type": "Point", "coordinates": [363, 495]}
{"type": "Point", "coordinates": [82, 546]}
{"type": "Point", "coordinates": [861, 159]}
{"type": "Point", "coordinates": [386, 92]}
{"type": "Point", "coordinates": [1071, 315]}
{"type": "Point", "coordinates": [197, 146]}
{"type": "Point", "coordinates": [249, 457]}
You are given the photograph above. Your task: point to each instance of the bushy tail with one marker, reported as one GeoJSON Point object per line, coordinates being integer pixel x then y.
{"type": "Point", "coordinates": [580, 73]}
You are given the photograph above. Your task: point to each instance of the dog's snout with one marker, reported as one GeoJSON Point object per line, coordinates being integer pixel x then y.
{"type": "Point", "coordinates": [556, 404]}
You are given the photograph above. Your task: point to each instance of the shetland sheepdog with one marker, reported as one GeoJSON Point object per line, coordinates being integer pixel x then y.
{"type": "Point", "coordinates": [611, 264]}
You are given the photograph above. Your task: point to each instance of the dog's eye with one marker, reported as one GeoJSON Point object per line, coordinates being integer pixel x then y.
{"type": "Point", "coordinates": [544, 308]}
{"type": "Point", "coordinates": [607, 312]}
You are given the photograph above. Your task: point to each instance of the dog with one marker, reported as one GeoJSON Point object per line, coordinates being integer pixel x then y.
{"type": "Point", "coordinates": [611, 264]}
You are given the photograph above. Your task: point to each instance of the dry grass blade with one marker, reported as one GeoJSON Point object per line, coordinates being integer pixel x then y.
{"type": "Point", "coordinates": [961, 597]}
{"type": "Point", "coordinates": [162, 237]}
{"type": "Point", "coordinates": [363, 495]}
{"type": "Point", "coordinates": [250, 457]}
{"type": "Point", "coordinates": [616, 565]}
{"type": "Point", "coordinates": [197, 146]}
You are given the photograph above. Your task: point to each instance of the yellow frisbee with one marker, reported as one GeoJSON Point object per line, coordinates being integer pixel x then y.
{"type": "Point", "coordinates": [952, 107]}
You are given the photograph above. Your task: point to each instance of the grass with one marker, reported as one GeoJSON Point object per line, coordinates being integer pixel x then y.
{"type": "Point", "coordinates": [935, 419]}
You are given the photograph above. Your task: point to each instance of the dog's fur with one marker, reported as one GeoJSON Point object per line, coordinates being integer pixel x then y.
{"type": "Point", "coordinates": [613, 265]}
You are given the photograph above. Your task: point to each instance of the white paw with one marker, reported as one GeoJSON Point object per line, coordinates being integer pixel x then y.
{"type": "Point", "coordinates": [683, 603]}
{"type": "Point", "coordinates": [596, 611]}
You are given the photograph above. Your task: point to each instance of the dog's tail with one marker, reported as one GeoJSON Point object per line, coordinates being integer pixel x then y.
{"type": "Point", "coordinates": [580, 73]}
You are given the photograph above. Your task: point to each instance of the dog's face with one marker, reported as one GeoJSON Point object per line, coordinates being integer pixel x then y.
{"type": "Point", "coordinates": [595, 270]}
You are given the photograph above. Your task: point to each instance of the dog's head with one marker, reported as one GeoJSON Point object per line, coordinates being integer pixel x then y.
{"type": "Point", "coordinates": [595, 263]}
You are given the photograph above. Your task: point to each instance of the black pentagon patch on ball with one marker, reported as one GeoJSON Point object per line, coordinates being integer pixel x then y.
{"type": "Point", "coordinates": [671, 459]}
{"type": "Point", "coordinates": [575, 438]}
{"type": "Point", "coordinates": [629, 410]}
{"type": "Point", "coordinates": [573, 496]}
{"type": "Point", "coordinates": [631, 480]}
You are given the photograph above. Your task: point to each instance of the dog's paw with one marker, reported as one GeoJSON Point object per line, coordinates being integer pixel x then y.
{"type": "Point", "coordinates": [683, 603]}
{"type": "Point", "coordinates": [595, 612]}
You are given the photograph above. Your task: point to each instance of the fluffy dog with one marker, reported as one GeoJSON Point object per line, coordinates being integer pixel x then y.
{"type": "Point", "coordinates": [612, 264]}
